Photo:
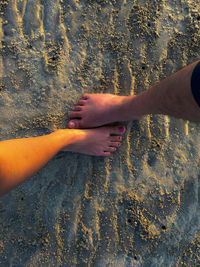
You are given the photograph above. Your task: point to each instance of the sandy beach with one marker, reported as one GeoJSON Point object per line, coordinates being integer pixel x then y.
{"type": "Point", "coordinates": [141, 206]}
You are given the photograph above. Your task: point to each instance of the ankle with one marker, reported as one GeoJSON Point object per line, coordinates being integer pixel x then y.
{"type": "Point", "coordinates": [136, 106]}
{"type": "Point", "coordinates": [145, 103]}
{"type": "Point", "coordinates": [67, 137]}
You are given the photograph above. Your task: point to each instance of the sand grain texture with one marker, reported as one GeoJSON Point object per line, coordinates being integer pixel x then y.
{"type": "Point", "coordinates": [140, 207]}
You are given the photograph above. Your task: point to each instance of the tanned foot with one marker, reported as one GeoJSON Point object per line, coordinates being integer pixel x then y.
{"type": "Point", "coordinates": [97, 142]}
{"type": "Point", "coordinates": [94, 110]}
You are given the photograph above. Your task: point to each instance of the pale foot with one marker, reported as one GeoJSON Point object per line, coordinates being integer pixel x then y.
{"type": "Point", "coordinates": [94, 110]}
{"type": "Point", "coordinates": [97, 142]}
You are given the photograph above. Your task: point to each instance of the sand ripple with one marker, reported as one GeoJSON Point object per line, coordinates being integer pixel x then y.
{"type": "Point", "coordinates": [141, 206]}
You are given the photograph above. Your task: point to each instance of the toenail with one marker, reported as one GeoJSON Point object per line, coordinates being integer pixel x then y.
{"type": "Point", "coordinates": [119, 144]}
{"type": "Point", "coordinates": [119, 138]}
{"type": "Point", "coordinates": [122, 129]}
{"type": "Point", "coordinates": [72, 124]}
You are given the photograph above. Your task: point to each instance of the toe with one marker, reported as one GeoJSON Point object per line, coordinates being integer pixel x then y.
{"type": "Point", "coordinates": [75, 114]}
{"type": "Point", "coordinates": [115, 138]}
{"type": "Point", "coordinates": [75, 124]}
{"type": "Point", "coordinates": [115, 144]}
{"type": "Point", "coordinates": [81, 102]}
{"type": "Point", "coordinates": [85, 97]}
{"type": "Point", "coordinates": [105, 154]}
{"type": "Point", "coordinates": [111, 149]}
{"type": "Point", "coordinates": [118, 130]}
{"type": "Point", "coordinates": [77, 108]}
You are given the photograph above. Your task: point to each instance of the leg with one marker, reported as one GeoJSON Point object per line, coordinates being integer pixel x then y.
{"type": "Point", "coordinates": [21, 158]}
{"type": "Point", "coordinates": [172, 96]}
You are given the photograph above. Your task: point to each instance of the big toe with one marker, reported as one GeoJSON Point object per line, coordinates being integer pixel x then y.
{"type": "Point", "coordinates": [118, 130]}
{"type": "Point", "coordinates": [74, 124]}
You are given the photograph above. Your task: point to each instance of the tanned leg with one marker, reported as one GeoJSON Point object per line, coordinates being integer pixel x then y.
{"type": "Point", "coordinates": [172, 96]}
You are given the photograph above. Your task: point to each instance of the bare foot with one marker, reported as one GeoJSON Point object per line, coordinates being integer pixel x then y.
{"type": "Point", "coordinates": [97, 142]}
{"type": "Point", "coordinates": [94, 110]}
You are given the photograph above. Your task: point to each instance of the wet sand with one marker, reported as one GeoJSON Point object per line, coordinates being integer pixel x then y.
{"type": "Point", "coordinates": [139, 207]}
